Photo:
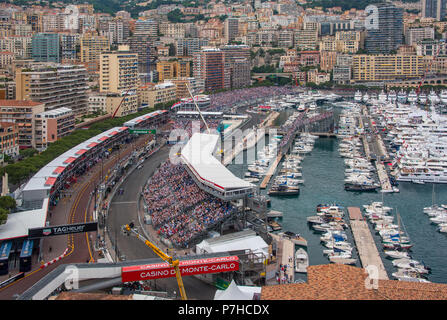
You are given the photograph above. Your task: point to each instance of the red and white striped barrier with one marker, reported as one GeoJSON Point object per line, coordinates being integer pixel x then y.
{"type": "Point", "coordinates": [54, 260]}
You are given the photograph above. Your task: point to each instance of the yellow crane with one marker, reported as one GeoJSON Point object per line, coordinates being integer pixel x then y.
{"type": "Point", "coordinates": [173, 263]}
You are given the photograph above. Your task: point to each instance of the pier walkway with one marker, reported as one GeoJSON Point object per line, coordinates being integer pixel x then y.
{"type": "Point", "coordinates": [366, 247]}
{"type": "Point", "coordinates": [383, 178]}
{"type": "Point", "coordinates": [271, 171]}
{"type": "Point", "coordinates": [285, 256]}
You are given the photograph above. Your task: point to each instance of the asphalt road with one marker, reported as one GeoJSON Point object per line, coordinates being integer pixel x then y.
{"type": "Point", "coordinates": [123, 209]}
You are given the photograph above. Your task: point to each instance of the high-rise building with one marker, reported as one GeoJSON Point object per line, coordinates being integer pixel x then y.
{"type": "Point", "coordinates": [144, 45]}
{"type": "Point", "coordinates": [118, 71]}
{"type": "Point", "coordinates": [55, 85]}
{"type": "Point", "coordinates": [209, 65]}
{"type": "Point", "coordinates": [146, 26]}
{"type": "Point", "coordinates": [91, 48]}
{"type": "Point", "coordinates": [68, 42]}
{"type": "Point", "coordinates": [189, 46]}
{"type": "Point", "coordinates": [434, 9]}
{"type": "Point", "coordinates": [231, 29]}
{"type": "Point", "coordinates": [45, 47]}
{"type": "Point", "coordinates": [414, 35]}
{"type": "Point", "coordinates": [237, 59]}
{"type": "Point", "coordinates": [388, 35]}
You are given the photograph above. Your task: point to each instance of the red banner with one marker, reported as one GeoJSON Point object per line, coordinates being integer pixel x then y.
{"type": "Point", "coordinates": [187, 268]}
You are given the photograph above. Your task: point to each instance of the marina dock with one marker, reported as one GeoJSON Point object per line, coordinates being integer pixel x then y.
{"type": "Point", "coordinates": [249, 141]}
{"type": "Point", "coordinates": [383, 178]}
{"type": "Point", "coordinates": [271, 171]}
{"type": "Point", "coordinates": [366, 247]}
{"type": "Point", "coordinates": [285, 255]}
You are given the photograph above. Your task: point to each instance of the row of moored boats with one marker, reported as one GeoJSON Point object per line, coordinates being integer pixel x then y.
{"type": "Point", "coordinates": [396, 243]}
{"type": "Point", "coordinates": [330, 223]}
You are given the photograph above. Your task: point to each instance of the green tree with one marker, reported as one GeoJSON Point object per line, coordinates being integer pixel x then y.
{"type": "Point", "coordinates": [3, 216]}
{"type": "Point", "coordinates": [8, 203]}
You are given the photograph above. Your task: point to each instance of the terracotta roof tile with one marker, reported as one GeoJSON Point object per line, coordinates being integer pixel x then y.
{"type": "Point", "coordinates": [341, 282]}
{"type": "Point", "coordinates": [18, 103]}
{"type": "Point", "coordinates": [91, 296]}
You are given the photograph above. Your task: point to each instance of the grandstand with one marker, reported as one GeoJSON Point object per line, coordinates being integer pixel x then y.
{"type": "Point", "coordinates": [208, 172]}
{"type": "Point", "coordinates": [44, 188]}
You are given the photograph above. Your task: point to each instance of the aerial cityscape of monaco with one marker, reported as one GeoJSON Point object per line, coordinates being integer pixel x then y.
{"type": "Point", "coordinates": [223, 150]}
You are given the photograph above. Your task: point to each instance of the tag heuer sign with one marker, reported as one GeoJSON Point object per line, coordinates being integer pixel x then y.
{"type": "Point", "coordinates": [62, 229]}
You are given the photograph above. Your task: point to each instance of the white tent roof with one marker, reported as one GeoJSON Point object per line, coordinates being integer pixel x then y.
{"type": "Point", "coordinates": [250, 242]}
{"type": "Point", "coordinates": [18, 223]}
{"type": "Point", "coordinates": [198, 154]}
{"type": "Point", "coordinates": [235, 292]}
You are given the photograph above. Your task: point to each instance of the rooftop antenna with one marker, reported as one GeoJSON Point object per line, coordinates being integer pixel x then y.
{"type": "Point", "coordinates": [197, 107]}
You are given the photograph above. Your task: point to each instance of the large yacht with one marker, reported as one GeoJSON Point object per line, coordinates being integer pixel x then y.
{"type": "Point", "coordinates": [412, 97]}
{"type": "Point", "coordinates": [358, 96]}
{"type": "Point", "coordinates": [365, 97]}
{"type": "Point", "coordinates": [422, 98]}
{"type": "Point", "coordinates": [443, 96]}
{"type": "Point", "coordinates": [392, 96]}
{"type": "Point", "coordinates": [402, 96]}
{"type": "Point", "coordinates": [433, 97]}
{"type": "Point", "coordinates": [382, 96]}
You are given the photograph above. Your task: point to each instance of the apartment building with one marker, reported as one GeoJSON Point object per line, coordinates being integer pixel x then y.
{"type": "Point", "coordinates": [45, 47]}
{"type": "Point", "coordinates": [129, 103]}
{"type": "Point", "coordinates": [209, 65]}
{"type": "Point", "coordinates": [414, 35]}
{"type": "Point", "coordinates": [152, 94]}
{"type": "Point", "coordinates": [386, 67]}
{"type": "Point", "coordinates": [50, 126]}
{"type": "Point", "coordinates": [172, 69]}
{"type": "Point", "coordinates": [22, 113]}
{"type": "Point", "coordinates": [189, 46]}
{"type": "Point", "coordinates": [306, 39]}
{"type": "Point", "coordinates": [173, 30]}
{"type": "Point", "coordinates": [195, 85]}
{"type": "Point", "coordinates": [55, 85]}
{"type": "Point", "coordinates": [118, 71]}
{"type": "Point", "coordinates": [19, 45]}
{"type": "Point", "coordinates": [9, 139]}
{"type": "Point", "coordinates": [91, 48]}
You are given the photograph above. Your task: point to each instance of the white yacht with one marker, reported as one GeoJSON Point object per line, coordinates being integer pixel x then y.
{"type": "Point", "coordinates": [443, 96]}
{"type": "Point", "coordinates": [422, 98]}
{"type": "Point", "coordinates": [358, 96]}
{"type": "Point", "coordinates": [392, 96]}
{"type": "Point", "coordinates": [382, 97]}
{"type": "Point", "coordinates": [433, 97]}
{"type": "Point", "coordinates": [402, 96]}
{"type": "Point", "coordinates": [365, 97]}
{"type": "Point", "coordinates": [412, 97]}
{"type": "Point", "coordinates": [301, 260]}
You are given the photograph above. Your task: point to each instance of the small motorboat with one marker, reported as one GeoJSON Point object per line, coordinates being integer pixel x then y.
{"type": "Point", "coordinates": [301, 261]}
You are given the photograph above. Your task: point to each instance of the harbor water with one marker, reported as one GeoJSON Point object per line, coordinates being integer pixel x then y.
{"type": "Point", "coordinates": [323, 173]}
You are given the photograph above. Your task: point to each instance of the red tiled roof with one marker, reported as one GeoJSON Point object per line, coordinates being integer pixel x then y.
{"type": "Point", "coordinates": [18, 103]}
{"type": "Point", "coordinates": [50, 181]}
{"type": "Point", "coordinates": [342, 282]}
{"type": "Point", "coordinates": [82, 151]}
{"type": "Point", "coordinates": [70, 160]}
{"type": "Point", "coordinates": [59, 170]}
